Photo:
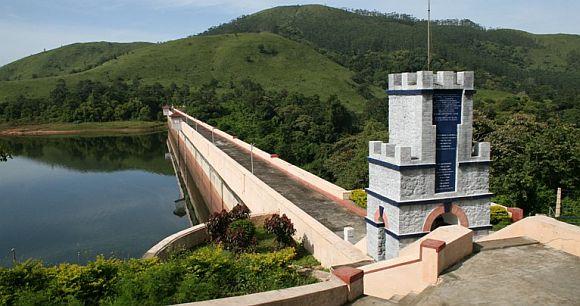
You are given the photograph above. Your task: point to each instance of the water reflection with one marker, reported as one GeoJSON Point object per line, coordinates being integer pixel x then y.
{"type": "Point", "coordinates": [71, 198]}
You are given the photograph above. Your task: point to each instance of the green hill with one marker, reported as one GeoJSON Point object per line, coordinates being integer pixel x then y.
{"type": "Point", "coordinates": [66, 60]}
{"type": "Point", "coordinates": [271, 60]}
{"type": "Point", "coordinates": [545, 68]}
{"type": "Point", "coordinates": [361, 31]}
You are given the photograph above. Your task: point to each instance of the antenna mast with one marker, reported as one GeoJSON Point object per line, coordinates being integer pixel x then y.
{"type": "Point", "coordinates": [428, 34]}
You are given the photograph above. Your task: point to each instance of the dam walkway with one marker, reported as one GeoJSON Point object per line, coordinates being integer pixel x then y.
{"type": "Point", "coordinates": [327, 210]}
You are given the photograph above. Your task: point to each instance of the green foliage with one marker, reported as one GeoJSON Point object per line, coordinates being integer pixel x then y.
{"type": "Point", "coordinates": [206, 273]}
{"type": "Point", "coordinates": [503, 223]}
{"type": "Point", "coordinates": [346, 162]}
{"type": "Point", "coordinates": [359, 197]}
{"type": "Point", "coordinates": [282, 227]}
{"type": "Point", "coordinates": [195, 60]}
{"type": "Point", "coordinates": [240, 235]}
{"type": "Point", "coordinates": [88, 101]}
{"type": "Point", "coordinates": [531, 159]}
{"type": "Point", "coordinates": [498, 214]}
{"type": "Point", "coordinates": [372, 45]}
{"type": "Point", "coordinates": [66, 60]}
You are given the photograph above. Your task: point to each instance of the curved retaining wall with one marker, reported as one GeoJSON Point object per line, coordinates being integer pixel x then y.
{"type": "Point", "coordinates": [189, 238]}
{"type": "Point", "coordinates": [327, 247]}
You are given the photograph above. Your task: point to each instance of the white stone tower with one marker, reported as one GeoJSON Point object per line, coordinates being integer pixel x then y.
{"type": "Point", "coordinates": [430, 173]}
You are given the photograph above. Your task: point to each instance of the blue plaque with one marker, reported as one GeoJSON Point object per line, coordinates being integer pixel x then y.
{"type": "Point", "coordinates": [446, 117]}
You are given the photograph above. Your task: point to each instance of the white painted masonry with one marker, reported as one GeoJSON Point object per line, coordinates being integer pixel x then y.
{"type": "Point", "coordinates": [402, 199]}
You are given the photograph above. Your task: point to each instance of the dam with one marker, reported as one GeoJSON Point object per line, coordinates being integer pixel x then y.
{"type": "Point", "coordinates": [229, 171]}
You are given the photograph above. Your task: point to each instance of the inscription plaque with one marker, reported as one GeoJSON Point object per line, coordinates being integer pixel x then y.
{"type": "Point", "coordinates": [446, 117]}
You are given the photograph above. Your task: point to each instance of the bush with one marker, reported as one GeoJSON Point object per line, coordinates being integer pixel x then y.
{"type": "Point", "coordinates": [359, 197]}
{"type": "Point", "coordinates": [205, 273]}
{"type": "Point", "coordinates": [241, 234]}
{"type": "Point", "coordinates": [240, 212]}
{"type": "Point", "coordinates": [282, 227]}
{"type": "Point", "coordinates": [498, 214]}
{"type": "Point", "coordinates": [217, 225]}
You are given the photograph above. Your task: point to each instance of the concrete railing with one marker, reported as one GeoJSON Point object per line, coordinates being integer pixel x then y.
{"type": "Point", "coordinates": [305, 176]}
{"type": "Point", "coordinates": [418, 265]}
{"type": "Point", "coordinates": [326, 246]}
{"type": "Point", "coordinates": [549, 231]}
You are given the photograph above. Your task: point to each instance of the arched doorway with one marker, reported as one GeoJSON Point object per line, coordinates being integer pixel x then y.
{"type": "Point", "coordinates": [445, 214]}
{"type": "Point", "coordinates": [444, 220]}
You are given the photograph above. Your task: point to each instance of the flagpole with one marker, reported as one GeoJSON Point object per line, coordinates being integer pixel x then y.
{"type": "Point", "coordinates": [428, 35]}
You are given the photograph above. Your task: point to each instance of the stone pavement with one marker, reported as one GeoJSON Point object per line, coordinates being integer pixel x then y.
{"type": "Point", "coordinates": [325, 210]}
{"type": "Point", "coordinates": [520, 275]}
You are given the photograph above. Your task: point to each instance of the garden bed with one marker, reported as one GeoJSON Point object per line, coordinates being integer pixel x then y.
{"type": "Point", "coordinates": [206, 272]}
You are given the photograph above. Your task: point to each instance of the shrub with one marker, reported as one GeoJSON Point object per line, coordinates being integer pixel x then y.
{"type": "Point", "coordinates": [359, 197]}
{"type": "Point", "coordinates": [498, 214]}
{"type": "Point", "coordinates": [239, 212]}
{"type": "Point", "coordinates": [282, 227]}
{"type": "Point", "coordinates": [241, 234]}
{"type": "Point", "coordinates": [217, 225]}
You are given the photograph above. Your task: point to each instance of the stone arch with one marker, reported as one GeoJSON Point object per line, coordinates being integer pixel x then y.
{"type": "Point", "coordinates": [443, 209]}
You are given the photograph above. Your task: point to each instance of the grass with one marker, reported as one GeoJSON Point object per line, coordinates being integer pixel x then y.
{"type": "Point", "coordinates": [233, 57]}
{"type": "Point", "coordinates": [553, 51]}
{"type": "Point", "coordinates": [85, 128]}
{"type": "Point", "coordinates": [267, 243]}
{"type": "Point", "coordinates": [65, 60]}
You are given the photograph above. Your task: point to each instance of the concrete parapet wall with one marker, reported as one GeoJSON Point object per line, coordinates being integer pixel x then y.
{"type": "Point", "coordinates": [419, 264]}
{"type": "Point", "coordinates": [273, 159]}
{"type": "Point", "coordinates": [330, 293]}
{"type": "Point", "coordinates": [549, 231]}
{"type": "Point", "coordinates": [327, 247]}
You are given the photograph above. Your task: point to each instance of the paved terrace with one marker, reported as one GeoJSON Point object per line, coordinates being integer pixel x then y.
{"type": "Point", "coordinates": [532, 274]}
{"type": "Point", "coordinates": [322, 208]}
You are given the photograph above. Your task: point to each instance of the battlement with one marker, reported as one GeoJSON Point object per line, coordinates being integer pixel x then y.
{"type": "Point", "coordinates": [391, 153]}
{"type": "Point", "coordinates": [427, 80]}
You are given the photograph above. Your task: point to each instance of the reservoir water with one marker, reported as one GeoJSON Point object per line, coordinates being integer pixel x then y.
{"type": "Point", "coordinates": [68, 199]}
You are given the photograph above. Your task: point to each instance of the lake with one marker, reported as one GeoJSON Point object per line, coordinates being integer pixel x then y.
{"type": "Point", "coordinates": [68, 199]}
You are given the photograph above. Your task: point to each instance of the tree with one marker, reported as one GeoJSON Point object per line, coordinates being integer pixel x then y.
{"type": "Point", "coordinates": [531, 159]}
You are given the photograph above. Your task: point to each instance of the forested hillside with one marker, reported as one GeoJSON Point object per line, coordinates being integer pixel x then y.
{"type": "Point", "coordinates": [540, 68]}
{"type": "Point", "coordinates": [273, 61]}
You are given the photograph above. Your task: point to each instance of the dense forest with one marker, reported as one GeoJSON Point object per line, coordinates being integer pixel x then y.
{"type": "Point", "coordinates": [542, 68]}
{"type": "Point", "coordinates": [528, 104]}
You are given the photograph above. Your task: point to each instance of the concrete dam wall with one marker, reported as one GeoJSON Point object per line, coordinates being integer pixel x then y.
{"type": "Point", "coordinates": [224, 182]}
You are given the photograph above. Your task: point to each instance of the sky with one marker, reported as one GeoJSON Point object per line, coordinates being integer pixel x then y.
{"type": "Point", "coordinates": [29, 26]}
